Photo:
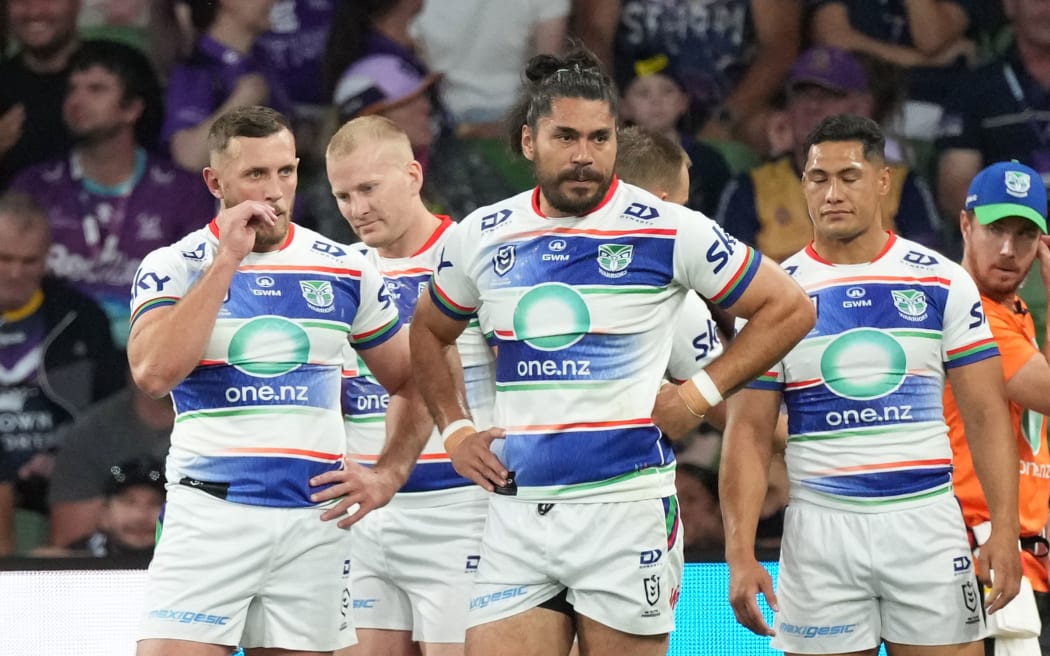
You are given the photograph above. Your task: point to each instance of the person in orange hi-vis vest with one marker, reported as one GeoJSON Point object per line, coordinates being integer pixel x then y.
{"type": "Point", "coordinates": [1004, 231]}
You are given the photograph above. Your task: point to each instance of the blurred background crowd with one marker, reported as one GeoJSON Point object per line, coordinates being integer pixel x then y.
{"type": "Point", "coordinates": [105, 107]}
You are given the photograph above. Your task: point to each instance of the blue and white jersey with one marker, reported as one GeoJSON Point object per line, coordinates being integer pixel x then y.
{"type": "Point", "coordinates": [259, 415]}
{"type": "Point", "coordinates": [864, 389]}
{"type": "Point", "coordinates": [433, 481]}
{"type": "Point", "coordinates": [583, 310]}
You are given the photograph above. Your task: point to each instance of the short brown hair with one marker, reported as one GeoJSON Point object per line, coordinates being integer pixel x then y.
{"type": "Point", "coordinates": [252, 121]}
{"type": "Point", "coordinates": [649, 159]}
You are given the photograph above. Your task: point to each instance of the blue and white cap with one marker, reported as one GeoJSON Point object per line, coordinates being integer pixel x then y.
{"type": "Point", "coordinates": [1008, 189]}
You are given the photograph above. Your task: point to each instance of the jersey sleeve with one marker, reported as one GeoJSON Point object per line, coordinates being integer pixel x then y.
{"type": "Point", "coordinates": [163, 277]}
{"type": "Point", "coordinates": [966, 335]}
{"type": "Point", "coordinates": [451, 288]}
{"type": "Point", "coordinates": [713, 262]}
{"type": "Point", "coordinates": [377, 318]}
{"type": "Point", "coordinates": [696, 343]}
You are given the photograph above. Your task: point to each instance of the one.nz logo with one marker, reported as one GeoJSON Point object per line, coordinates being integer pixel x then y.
{"type": "Point", "coordinates": [911, 303]}
{"type": "Point", "coordinates": [613, 259]}
{"type": "Point", "coordinates": [318, 294]}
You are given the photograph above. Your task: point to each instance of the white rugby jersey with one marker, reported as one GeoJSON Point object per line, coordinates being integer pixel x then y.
{"type": "Point", "coordinates": [259, 416]}
{"type": "Point", "coordinates": [583, 311]}
{"type": "Point", "coordinates": [864, 389]}
{"type": "Point", "coordinates": [433, 480]}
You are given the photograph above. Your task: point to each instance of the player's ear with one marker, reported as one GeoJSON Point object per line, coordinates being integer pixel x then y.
{"type": "Point", "coordinates": [211, 178]}
{"type": "Point", "coordinates": [415, 174]}
{"type": "Point", "coordinates": [528, 145]}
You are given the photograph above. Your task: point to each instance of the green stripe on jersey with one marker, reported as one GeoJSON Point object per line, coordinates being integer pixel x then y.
{"type": "Point", "coordinates": [241, 412]}
{"type": "Point", "coordinates": [561, 384]}
{"type": "Point", "coordinates": [886, 501]}
{"type": "Point", "coordinates": [567, 489]}
{"type": "Point", "coordinates": [858, 432]}
{"type": "Point", "coordinates": [619, 289]}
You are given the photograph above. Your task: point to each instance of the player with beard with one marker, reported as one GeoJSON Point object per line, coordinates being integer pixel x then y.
{"type": "Point", "coordinates": [244, 323]}
{"type": "Point", "coordinates": [580, 281]}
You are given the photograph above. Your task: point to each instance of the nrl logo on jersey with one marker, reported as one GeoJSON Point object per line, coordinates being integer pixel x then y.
{"type": "Point", "coordinates": [318, 295]}
{"type": "Point", "coordinates": [911, 303]}
{"type": "Point", "coordinates": [613, 259]}
{"type": "Point", "coordinates": [503, 260]}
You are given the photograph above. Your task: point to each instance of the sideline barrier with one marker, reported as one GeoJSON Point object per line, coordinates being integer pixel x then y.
{"type": "Point", "coordinates": [78, 607]}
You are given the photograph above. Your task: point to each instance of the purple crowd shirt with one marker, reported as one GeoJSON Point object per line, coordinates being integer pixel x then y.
{"type": "Point", "coordinates": [204, 81]}
{"type": "Point", "coordinates": [100, 234]}
{"type": "Point", "coordinates": [295, 46]}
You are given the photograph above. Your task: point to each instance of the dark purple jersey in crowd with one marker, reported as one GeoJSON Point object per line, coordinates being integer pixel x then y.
{"type": "Point", "coordinates": [100, 234]}
{"type": "Point", "coordinates": [295, 46]}
{"type": "Point", "coordinates": [199, 85]}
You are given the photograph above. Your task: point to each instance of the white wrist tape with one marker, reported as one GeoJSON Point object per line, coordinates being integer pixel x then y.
{"type": "Point", "coordinates": [707, 388]}
{"type": "Point", "coordinates": [453, 428]}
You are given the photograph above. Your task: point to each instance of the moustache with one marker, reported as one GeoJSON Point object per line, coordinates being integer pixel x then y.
{"type": "Point", "coordinates": [581, 174]}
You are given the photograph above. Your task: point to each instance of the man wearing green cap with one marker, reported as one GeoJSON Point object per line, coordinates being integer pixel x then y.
{"type": "Point", "coordinates": [1004, 232]}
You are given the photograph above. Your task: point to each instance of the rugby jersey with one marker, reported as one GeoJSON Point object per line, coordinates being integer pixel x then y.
{"type": "Point", "coordinates": [259, 415]}
{"type": "Point", "coordinates": [433, 480]}
{"type": "Point", "coordinates": [863, 389]}
{"type": "Point", "coordinates": [583, 312]}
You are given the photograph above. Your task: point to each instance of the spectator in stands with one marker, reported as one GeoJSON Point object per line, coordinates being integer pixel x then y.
{"type": "Point", "coordinates": [125, 426]}
{"type": "Point", "coordinates": [458, 179]}
{"type": "Point", "coordinates": [110, 200]}
{"type": "Point", "coordinates": [1001, 112]}
{"type": "Point", "coordinates": [654, 98]}
{"type": "Point", "coordinates": [697, 489]}
{"type": "Point", "coordinates": [126, 21]}
{"type": "Point", "coordinates": [732, 55]}
{"type": "Point", "coordinates": [479, 47]}
{"type": "Point", "coordinates": [295, 45]}
{"type": "Point", "coordinates": [927, 39]}
{"type": "Point", "coordinates": [34, 82]}
{"type": "Point", "coordinates": [766, 207]}
{"type": "Point", "coordinates": [56, 354]}
{"type": "Point", "coordinates": [227, 69]}
{"type": "Point", "coordinates": [133, 498]}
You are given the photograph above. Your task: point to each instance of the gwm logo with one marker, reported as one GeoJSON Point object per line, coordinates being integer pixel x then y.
{"type": "Point", "coordinates": [613, 259]}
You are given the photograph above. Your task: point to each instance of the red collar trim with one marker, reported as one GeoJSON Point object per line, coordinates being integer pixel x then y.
{"type": "Point", "coordinates": [446, 223]}
{"type": "Point", "coordinates": [810, 251]}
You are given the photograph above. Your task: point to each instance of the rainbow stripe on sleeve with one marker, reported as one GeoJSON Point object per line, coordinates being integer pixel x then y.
{"type": "Point", "coordinates": [740, 280]}
{"type": "Point", "coordinates": [964, 355]}
{"type": "Point", "coordinates": [447, 305]}
{"type": "Point", "coordinates": [377, 336]}
{"type": "Point", "coordinates": [152, 304]}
